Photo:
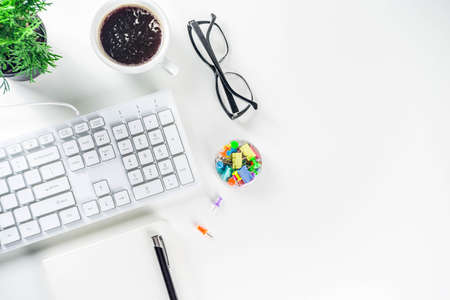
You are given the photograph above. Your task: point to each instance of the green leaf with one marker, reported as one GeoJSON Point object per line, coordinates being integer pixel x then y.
{"type": "Point", "coordinates": [20, 50]}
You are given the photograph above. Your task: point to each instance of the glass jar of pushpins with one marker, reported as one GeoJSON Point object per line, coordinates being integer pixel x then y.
{"type": "Point", "coordinates": [238, 163]}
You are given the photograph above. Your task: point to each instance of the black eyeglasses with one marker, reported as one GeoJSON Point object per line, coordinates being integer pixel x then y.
{"type": "Point", "coordinates": [212, 48]}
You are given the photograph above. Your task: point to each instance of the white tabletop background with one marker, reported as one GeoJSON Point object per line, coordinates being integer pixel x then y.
{"type": "Point", "coordinates": [353, 125]}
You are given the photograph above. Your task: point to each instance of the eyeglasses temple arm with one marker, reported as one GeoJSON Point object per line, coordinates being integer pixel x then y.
{"type": "Point", "coordinates": [228, 90]}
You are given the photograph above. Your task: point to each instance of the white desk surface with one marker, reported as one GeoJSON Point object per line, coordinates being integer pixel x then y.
{"type": "Point", "coordinates": [353, 201]}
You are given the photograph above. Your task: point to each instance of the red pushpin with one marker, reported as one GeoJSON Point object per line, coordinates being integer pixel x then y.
{"type": "Point", "coordinates": [204, 231]}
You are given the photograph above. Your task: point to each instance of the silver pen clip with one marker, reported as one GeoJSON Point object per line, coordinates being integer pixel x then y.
{"type": "Point", "coordinates": [159, 242]}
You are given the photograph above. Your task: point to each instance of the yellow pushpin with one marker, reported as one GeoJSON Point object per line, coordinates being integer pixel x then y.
{"type": "Point", "coordinates": [237, 160]}
{"type": "Point", "coordinates": [248, 151]}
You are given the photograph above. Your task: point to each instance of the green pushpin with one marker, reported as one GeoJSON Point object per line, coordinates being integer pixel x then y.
{"type": "Point", "coordinates": [234, 144]}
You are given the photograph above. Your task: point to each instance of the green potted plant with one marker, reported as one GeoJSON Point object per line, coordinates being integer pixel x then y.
{"type": "Point", "coordinates": [24, 52]}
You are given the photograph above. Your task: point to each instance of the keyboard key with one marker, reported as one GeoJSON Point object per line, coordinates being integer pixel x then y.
{"type": "Point", "coordinates": [16, 182]}
{"type": "Point", "coordinates": [91, 208]}
{"type": "Point", "coordinates": [156, 137]}
{"type": "Point", "coordinates": [6, 220]}
{"type": "Point", "coordinates": [183, 169]}
{"type": "Point", "coordinates": [91, 158]}
{"type": "Point", "coordinates": [51, 187]}
{"type": "Point", "coordinates": [81, 127]}
{"type": "Point", "coordinates": [52, 204]}
{"type": "Point", "coordinates": [29, 229]}
{"type": "Point", "coordinates": [135, 177]}
{"type": "Point", "coordinates": [165, 167]}
{"type": "Point", "coordinates": [106, 203]}
{"type": "Point", "coordinates": [25, 196]}
{"type": "Point", "coordinates": [9, 236]}
{"type": "Point", "coordinates": [170, 182]}
{"type": "Point", "coordinates": [22, 214]}
{"type": "Point", "coordinates": [75, 163]}
{"type": "Point", "coordinates": [5, 169]}
{"type": "Point", "coordinates": [9, 201]}
{"type": "Point", "coordinates": [97, 123]}
{"type": "Point", "coordinates": [3, 187]}
{"type": "Point", "coordinates": [122, 198]}
{"type": "Point", "coordinates": [101, 188]}
{"type": "Point", "coordinates": [148, 189]}
{"type": "Point", "coordinates": [101, 138]}
{"type": "Point", "coordinates": [43, 157]}
{"type": "Point", "coordinates": [69, 215]}
{"type": "Point", "coordinates": [173, 139]}
{"type": "Point", "coordinates": [151, 122]}
{"type": "Point", "coordinates": [49, 222]}
{"type": "Point", "coordinates": [160, 152]}
{"type": "Point", "coordinates": [19, 164]}
{"type": "Point", "coordinates": [135, 127]}
{"type": "Point", "coordinates": [52, 170]}
{"type": "Point", "coordinates": [2, 153]}
{"type": "Point", "coordinates": [165, 117]}
{"type": "Point", "coordinates": [65, 132]}
{"type": "Point", "coordinates": [130, 162]}
{"type": "Point", "coordinates": [140, 142]}
{"type": "Point", "coordinates": [120, 132]}
{"type": "Point", "coordinates": [70, 148]}
{"type": "Point", "coordinates": [32, 177]}
{"type": "Point", "coordinates": [30, 144]}
{"type": "Point", "coordinates": [145, 157]}
{"type": "Point", "coordinates": [150, 172]}
{"type": "Point", "coordinates": [86, 143]}
{"type": "Point", "coordinates": [46, 139]}
{"type": "Point", "coordinates": [125, 147]}
{"type": "Point", "coordinates": [106, 153]}
{"type": "Point", "coordinates": [14, 149]}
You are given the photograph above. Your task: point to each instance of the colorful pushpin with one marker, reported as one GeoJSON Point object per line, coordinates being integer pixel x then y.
{"type": "Point", "coordinates": [234, 144]}
{"type": "Point", "coordinates": [217, 204]}
{"type": "Point", "coordinates": [218, 201]}
{"type": "Point", "coordinates": [236, 176]}
{"type": "Point", "coordinates": [248, 151]}
{"type": "Point", "coordinates": [237, 160]}
{"type": "Point", "coordinates": [245, 174]}
{"type": "Point", "coordinates": [255, 151]}
{"type": "Point", "coordinates": [231, 151]}
{"type": "Point", "coordinates": [204, 231]}
{"type": "Point", "coordinates": [226, 173]}
{"type": "Point", "coordinates": [219, 167]}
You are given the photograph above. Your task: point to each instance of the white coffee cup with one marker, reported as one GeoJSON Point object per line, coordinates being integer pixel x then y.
{"type": "Point", "coordinates": [159, 59]}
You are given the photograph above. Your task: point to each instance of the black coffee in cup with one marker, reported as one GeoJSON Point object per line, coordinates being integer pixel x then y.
{"type": "Point", "coordinates": [131, 35]}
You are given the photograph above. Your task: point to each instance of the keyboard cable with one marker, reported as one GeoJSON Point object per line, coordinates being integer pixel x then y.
{"type": "Point", "coordinates": [64, 104]}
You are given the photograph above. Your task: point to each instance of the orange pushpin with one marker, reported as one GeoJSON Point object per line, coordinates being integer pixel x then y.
{"type": "Point", "coordinates": [204, 231]}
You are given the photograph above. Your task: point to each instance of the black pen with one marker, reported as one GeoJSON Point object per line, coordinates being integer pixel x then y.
{"type": "Point", "coordinates": [163, 260]}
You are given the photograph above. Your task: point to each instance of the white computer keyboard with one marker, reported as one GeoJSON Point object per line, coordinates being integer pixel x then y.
{"type": "Point", "coordinates": [91, 168]}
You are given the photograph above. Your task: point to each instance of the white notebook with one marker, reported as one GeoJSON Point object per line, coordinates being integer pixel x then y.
{"type": "Point", "coordinates": [120, 267]}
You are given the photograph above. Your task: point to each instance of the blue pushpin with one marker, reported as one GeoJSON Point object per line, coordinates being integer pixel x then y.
{"type": "Point", "coordinates": [226, 173]}
{"type": "Point", "coordinates": [219, 167]}
{"type": "Point", "coordinates": [245, 174]}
